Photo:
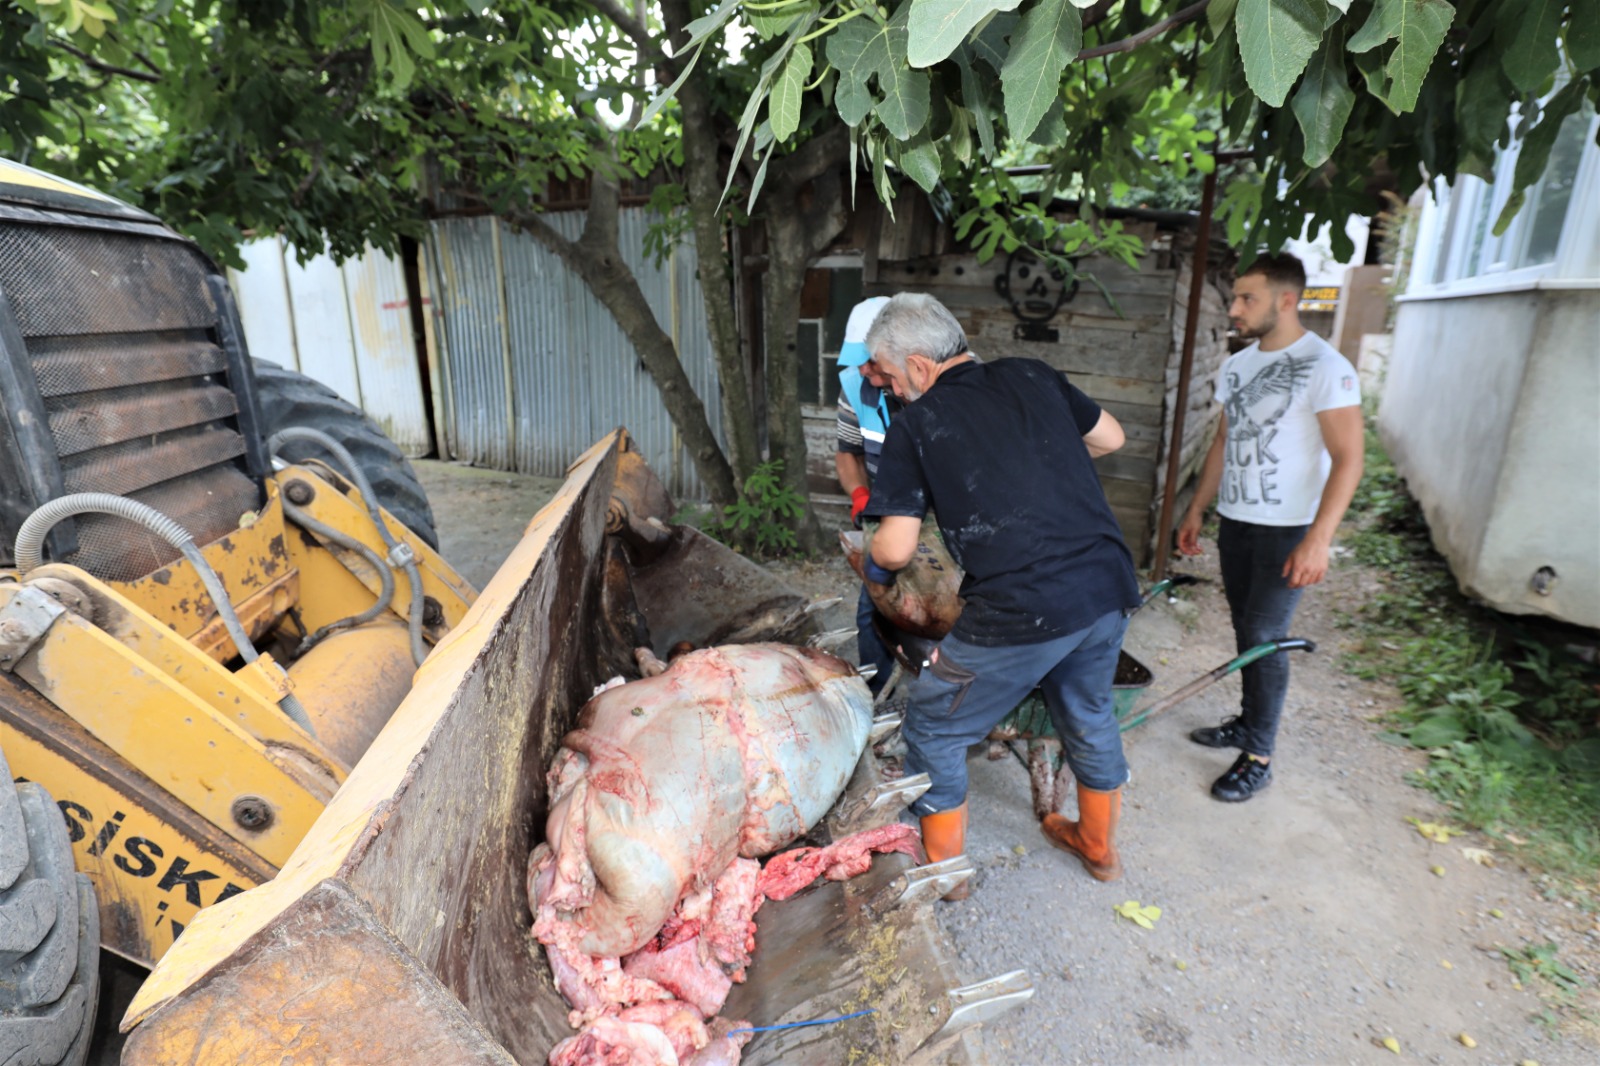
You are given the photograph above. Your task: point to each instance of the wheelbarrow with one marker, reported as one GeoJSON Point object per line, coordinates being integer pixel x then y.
{"type": "Point", "coordinates": [1048, 774]}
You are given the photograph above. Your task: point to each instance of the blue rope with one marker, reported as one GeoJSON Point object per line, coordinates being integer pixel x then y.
{"type": "Point", "coordinates": [799, 1025]}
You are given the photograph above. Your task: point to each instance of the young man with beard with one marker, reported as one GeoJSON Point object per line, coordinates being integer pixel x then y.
{"type": "Point", "coordinates": [1001, 452]}
{"type": "Point", "coordinates": [1287, 458]}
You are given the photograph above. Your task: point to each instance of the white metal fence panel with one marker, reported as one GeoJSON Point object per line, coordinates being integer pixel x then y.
{"type": "Point", "coordinates": [385, 349]}
{"type": "Point", "coordinates": [262, 292]}
{"type": "Point", "coordinates": [322, 325]}
{"type": "Point", "coordinates": [349, 327]}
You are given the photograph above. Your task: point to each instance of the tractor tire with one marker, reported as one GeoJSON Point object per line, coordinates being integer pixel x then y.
{"type": "Point", "coordinates": [49, 934]}
{"type": "Point", "coordinates": [288, 398]}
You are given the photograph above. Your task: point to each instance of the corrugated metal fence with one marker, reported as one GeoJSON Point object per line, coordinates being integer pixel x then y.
{"type": "Point", "coordinates": [348, 327]}
{"type": "Point", "coordinates": [530, 368]}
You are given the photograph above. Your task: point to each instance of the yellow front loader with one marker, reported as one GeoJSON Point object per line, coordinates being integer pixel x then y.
{"type": "Point", "coordinates": [298, 761]}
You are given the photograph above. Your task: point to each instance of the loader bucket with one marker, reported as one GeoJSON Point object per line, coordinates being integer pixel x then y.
{"type": "Point", "coordinates": [398, 930]}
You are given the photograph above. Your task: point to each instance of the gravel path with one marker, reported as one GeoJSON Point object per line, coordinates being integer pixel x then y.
{"type": "Point", "coordinates": [1302, 927]}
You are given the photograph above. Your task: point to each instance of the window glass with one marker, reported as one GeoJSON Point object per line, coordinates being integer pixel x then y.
{"type": "Point", "coordinates": [830, 381]}
{"type": "Point", "coordinates": [843, 295]}
{"type": "Point", "coordinates": [1449, 203]}
{"type": "Point", "coordinates": [1478, 231]}
{"type": "Point", "coordinates": [1467, 246]}
{"type": "Point", "coordinates": [1547, 204]}
{"type": "Point", "coordinates": [808, 357]}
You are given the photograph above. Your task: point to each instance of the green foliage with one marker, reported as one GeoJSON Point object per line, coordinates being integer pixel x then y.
{"type": "Point", "coordinates": [1276, 39]}
{"type": "Point", "coordinates": [1538, 962]}
{"type": "Point", "coordinates": [1328, 94]}
{"type": "Point", "coordinates": [318, 121]}
{"type": "Point", "coordinates": [1508, 720]}
{"type": "Point", "coordinates": [1322, 103]}
{"type": "Point", "coordinates": [1047, 39]}
{"type": "Point", "coordinates": [763, 517]}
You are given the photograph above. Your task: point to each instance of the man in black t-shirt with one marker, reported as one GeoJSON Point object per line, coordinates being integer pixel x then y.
{"type": "Point", "coordinates": [1001, 452]}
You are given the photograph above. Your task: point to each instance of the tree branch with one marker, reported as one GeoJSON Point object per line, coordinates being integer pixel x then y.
{"type": "Point", "coordinates": [1128, 44]}
{"type": "Point", "coordinates": [1097, 14]}
{"type": "Point", "coordinates": [106, 68]}
{"type": "Point", "coordinates": [635, 30]}
{"type": "Point", "coordinates": [812, 159]}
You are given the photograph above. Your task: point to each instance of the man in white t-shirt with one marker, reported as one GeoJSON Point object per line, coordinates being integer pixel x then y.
{"type": "Point", "coordinates": [1287, 459]}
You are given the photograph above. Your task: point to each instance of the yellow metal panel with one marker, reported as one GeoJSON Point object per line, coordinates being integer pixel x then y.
{"type": "Point", "coordinates": [258, 614]}
{"type": "Point", "coordinates": [153, 863]}
{"type": "Point", "coordinates": [16, 174]}
{"type": "Point", "coordinates": [183, 744]}
{"type": "Point", "coordinates": [209, 681]}
{"type": "Point", "coordinates": [349, 515]}
{"type": "Point", "coordinates": [250, 561]}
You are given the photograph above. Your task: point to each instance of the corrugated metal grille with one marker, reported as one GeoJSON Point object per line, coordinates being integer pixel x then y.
{"type": "Point", "coordinates": [64, 365]}
{"type": "Point", "coordinates": [348, 326]}
{"type": "Point", "coordinates": [68, 281]}
{"type": "Point", "coordinates": [120, 337]}
{"type": "Point", "coordinates": [138, 464]}
{"type": "Point", "coordinates": [536, 368]}
{"type": "Point", "coordinates": [116, 415]}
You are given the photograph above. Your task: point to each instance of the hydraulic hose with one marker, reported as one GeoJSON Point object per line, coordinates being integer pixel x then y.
{"type": "Point", "coordinates": [385, 594]}
{"type": "Point", "coordinates": [30, 541]}
{"type": "Point", "coordinates": [353, 471]}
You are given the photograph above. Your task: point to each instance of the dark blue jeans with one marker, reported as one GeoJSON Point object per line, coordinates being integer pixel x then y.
{"type": "Point", "coordinates": [869, 647]}
{"type": "Point", "coordinates": [1262, 605]}
{"type": "Point", "coordinates": [960, 698]}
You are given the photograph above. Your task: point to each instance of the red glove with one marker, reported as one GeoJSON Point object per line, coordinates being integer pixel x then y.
{"type": "Point", "coordinates": [858, 503]}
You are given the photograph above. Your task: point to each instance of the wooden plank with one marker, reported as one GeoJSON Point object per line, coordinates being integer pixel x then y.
{"type": "Point", "coordinates": [1129, 467]}
{"type": "Point", "coordinates": [1139, 420]}
{"type": "Point", "coordinates": [1087, 304]}
{"type": "Point", "coordinates": [962, 269]}
{"type": "Point", "coordinates": [1122, 493]}
{"type": "Point", "coordinates": [1103, 388]}
{"type": "Point", "coordinates": [1118, 353]}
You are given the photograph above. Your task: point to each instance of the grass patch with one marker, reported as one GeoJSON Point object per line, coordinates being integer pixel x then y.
{"type": "Point", "coordinates": [1506, 713]}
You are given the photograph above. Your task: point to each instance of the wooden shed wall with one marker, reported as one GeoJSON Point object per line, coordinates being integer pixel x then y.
{"type": "Point", "coordinates": [1210, 349]}
{"type": "Point", "coordinates": [1122, 361]}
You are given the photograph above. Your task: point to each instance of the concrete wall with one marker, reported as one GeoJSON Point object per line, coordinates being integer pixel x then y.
{"type": "Point", "coordinates": [1491, 412]}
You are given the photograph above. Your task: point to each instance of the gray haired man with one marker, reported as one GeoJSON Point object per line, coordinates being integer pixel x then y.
{"type": "Point", "coordinates": [1001, 452]}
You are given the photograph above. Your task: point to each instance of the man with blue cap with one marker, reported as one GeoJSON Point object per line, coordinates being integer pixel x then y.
{"type": "Point", "coordinates": [865, 406]}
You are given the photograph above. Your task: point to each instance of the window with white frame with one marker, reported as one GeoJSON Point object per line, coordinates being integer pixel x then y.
{"type": "Point", "coordinates": [1461, 242]}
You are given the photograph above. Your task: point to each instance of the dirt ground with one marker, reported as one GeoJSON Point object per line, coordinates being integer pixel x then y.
{"type": "Point", "coordinates": [1305, 926]}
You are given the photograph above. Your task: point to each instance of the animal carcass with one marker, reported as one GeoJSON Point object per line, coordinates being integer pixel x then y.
{"type": "Point", "coordinates": [732, 751]}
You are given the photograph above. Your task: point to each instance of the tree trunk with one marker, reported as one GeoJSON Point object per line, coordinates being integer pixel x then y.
{"type": "Point", "coordinates": [703, 181]}
{"type": "Point", "coordinates": [597, 259]}
{"type": "Point", "coordinates": [805, 210]}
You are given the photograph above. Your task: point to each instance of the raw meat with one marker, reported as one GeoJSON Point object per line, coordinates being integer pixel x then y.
{"type": "Point", "coordinates": [613, 1042]}
{"type": "Point", "coordinates": [925, 599]}
{"type": "Point", "coordinates": [640, 894]}
{"type": "Point", "coordinates": [732, 751]}
{"type": "Point", "coordinates": [788, 873]}
{"type": "Point", "coordinates": [705, 947]}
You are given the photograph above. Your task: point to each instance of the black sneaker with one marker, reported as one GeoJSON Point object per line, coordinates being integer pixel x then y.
{"type": "Point", "coordinates": [1226, 735]}
{"type": "Point", "coordinates": [1244, 779]}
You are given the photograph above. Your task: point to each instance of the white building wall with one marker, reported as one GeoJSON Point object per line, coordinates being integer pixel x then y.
{"type": "Point", "coordinates": [1491, 409]}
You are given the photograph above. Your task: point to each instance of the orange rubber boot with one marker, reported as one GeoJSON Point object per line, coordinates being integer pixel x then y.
{"type": "Point", "coordinates": [944, 836]}
{"type": "Point", "coordinates": [1092, 838]}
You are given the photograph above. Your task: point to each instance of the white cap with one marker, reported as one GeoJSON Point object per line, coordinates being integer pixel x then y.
{"type": "Point", "coordinates": [854, 350]}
